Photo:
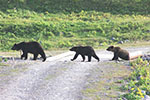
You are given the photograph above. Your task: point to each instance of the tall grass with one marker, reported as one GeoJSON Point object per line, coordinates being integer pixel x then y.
{"type": "Point", "coordinates": [67, 23]}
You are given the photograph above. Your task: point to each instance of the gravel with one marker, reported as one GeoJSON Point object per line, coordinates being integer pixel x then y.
{"type": "Point", "coordinates": [56, 79]}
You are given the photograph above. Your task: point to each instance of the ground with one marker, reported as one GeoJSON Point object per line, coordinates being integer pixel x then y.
{"type": "Point", "coordinates": [61, 79]}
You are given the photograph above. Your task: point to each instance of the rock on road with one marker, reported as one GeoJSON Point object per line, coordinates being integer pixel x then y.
{"type": "Point", "coordinates": [56, 79]}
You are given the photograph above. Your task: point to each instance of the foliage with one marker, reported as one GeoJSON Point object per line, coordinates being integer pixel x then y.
{"type": "Point", "coordinates": [65, 23]}
{"type": "Point", "coordinates": [139, 80]}
{"type": "Point", "coordinates": [68, 6]}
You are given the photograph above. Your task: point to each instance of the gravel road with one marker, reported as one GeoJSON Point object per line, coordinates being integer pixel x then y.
{"type": "Point", "coordinates": [56, 79]}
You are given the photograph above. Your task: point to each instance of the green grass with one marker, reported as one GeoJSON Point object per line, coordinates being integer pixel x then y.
{"type": "Point", "coordinates": [138, 81]}
{"type": "Point", "coordinates": [62, 24]}
{"type": "Point", "coordinates": [68, 6]}
{"type": "Point", "coordinates": [3, 64]}
{"type": "Point", "coordinates": [107, 84]}
{"type": "Point", "coordinates": [63, 31]}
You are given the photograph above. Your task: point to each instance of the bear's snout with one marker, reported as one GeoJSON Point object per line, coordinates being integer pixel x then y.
{"type": "Point", "coordinates": [15, 48]}
{"type": "Point", "coordinates": [107, 49]}
{"type": "Point", "coordinates": [12, 48]}
{"type": "Point", "coordinates": [70, 49]}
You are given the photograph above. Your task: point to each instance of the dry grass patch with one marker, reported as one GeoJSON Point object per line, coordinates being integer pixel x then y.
{"type": "Point", "coordinates": [106, 85]}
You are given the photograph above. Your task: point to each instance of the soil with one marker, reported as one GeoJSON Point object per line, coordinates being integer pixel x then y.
{"type": "Point", "coordinates": [61, 79]}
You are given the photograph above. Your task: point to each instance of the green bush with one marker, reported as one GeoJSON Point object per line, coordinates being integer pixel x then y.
{"type": "Point", "coordinates": [45, 21]}
{"type": "Point", "coordinates": [139, 80]}
{"type": "Point", "coordinates": [68, 6]}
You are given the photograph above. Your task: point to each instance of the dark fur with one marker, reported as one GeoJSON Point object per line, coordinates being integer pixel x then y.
{"type": "Point", "coordinates": [84, 51]}
{"type": "Point", "coordinates": [30, 47]}
{"type": "Point", "coordinates": [118, 52]}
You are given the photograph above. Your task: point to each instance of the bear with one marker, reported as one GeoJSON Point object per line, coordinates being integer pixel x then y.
{"type": "Point", "coordinates": [32, 47]}
{"type": "Point", "coordinates": [84, 51]}
{"type": "Point", "coordinates": [118, 52]}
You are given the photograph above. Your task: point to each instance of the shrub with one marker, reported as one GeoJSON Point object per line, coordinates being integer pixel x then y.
{"type": "Point", "coordinates": [139, 80]}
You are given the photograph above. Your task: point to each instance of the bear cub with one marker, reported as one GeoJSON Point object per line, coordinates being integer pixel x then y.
{"type": "Point", "coordinates": [118, 52]}
{"type": "Point", "coordinates": [30, 47]}
{"type": "Point", "coordinates": [84, 51]}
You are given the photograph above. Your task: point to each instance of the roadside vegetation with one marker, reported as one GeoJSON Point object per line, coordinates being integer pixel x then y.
{"type": "Point", "coordinates": [104, 83]}
{"type": "Point", "coordinates": [119, 82]}
{"type": "Point", "coordinates": [62, 24]}
{"type": "Point", "coordinates": [138, 86]}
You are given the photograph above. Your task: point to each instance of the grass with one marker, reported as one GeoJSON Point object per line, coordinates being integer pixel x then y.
{"type": "Point", "coordinates": [138, 81]}
{"type": "Point", "coordinates": [59, 25]}
{"type": "Point", "coordinates": [62, 30]}
{"type": "Point", "coordinates": [3, 64]}
{"type": "Point", "coordinates": [62, 24]}
{"type": "Point", "coordinates": [106, 84]}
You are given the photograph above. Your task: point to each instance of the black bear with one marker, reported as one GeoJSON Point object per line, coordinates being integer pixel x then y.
{"type": "Point", "coordinates": [30, 47]}
{"type": "Point", "coordinates": [84, 51]}
{"type": "Point", "coordinates": [118, 52]}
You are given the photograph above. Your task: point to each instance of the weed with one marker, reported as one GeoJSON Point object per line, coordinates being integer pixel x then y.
{"type": "Point", "coordinates": [63, 30]}
{"type": "Point", "coordinates": [139, 80]}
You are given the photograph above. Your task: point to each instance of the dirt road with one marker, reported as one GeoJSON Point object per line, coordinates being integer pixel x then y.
{"type": "Point", "coordinates": [61, 79]}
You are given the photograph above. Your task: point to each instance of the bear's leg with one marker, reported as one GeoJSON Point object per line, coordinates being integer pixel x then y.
{"type": "Point", "coordinates": [83, 58]}
{"type": "Point", "coordinates": [89, 58]}
{"type": "Point", "coordinates": [96, 57]}
{"type": "Point", "coordinates": [43, 55]}
{"type": "Point", "coordinates": [75, 56]}
{"type": "Point", "coordinates": [22, 56]}
{"type": "Point", "coordinates": [115, 56]}
{"type": "Point", "coordinates": [35, 56]}
{"type": "Point", "coordinates": [26, 56]}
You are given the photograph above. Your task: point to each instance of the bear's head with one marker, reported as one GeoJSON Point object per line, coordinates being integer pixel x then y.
{"type": "Point", "coordinates": [74, 49]}
{"type": "Point", "coordinates": [110, 48]}
{"type": "Point", "coordinates": [113, 49]}
{"type": "Point", "coordinates": [17, 46]}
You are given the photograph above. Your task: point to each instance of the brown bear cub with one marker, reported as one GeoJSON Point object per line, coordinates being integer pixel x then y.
{"type": "Point", "coordinates": [30, 47]}
{"type": "Point", "coordinates": [84, 51]}
{"type": "Point", "coordinates": [118, 52]}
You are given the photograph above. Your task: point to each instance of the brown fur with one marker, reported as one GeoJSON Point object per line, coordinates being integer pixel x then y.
{"type": "Point", "coordinates": [119, 53]}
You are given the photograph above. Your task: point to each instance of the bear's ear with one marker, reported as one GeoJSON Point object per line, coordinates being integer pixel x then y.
{"type": "Point", "coordinates": [111, 47]}
{"type": "Point", "coordinates": [15, 44]}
